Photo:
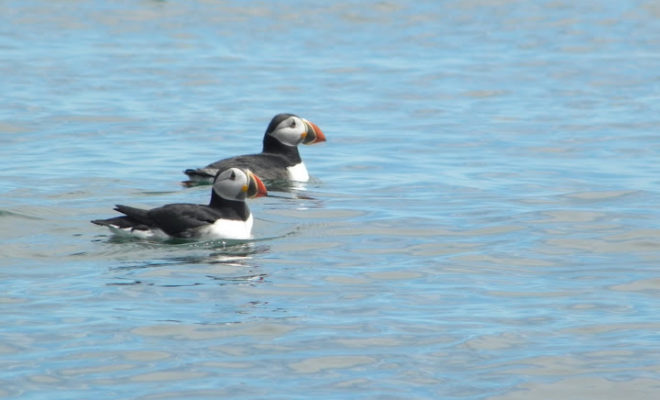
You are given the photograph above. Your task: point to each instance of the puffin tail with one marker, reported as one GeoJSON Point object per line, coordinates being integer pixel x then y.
{"type": "Point", "coordinates": [200, 173]}
{"type": "Point", "coordinates": [198, 177]}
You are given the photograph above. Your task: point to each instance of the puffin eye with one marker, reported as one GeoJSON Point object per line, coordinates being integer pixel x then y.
{"type": "Point", "coordinates": [293, 123]}
{"type": "Point", "coordinates": [232, 176]}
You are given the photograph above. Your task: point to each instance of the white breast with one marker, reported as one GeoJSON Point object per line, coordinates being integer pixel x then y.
{"type": "Point", "coordinates": [298, 172]}
{"type": "Point", "coordinates": [228, 229]}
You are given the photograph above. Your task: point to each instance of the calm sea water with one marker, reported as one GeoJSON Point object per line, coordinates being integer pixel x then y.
{"type": "Point", "coordinates": [482, 222]}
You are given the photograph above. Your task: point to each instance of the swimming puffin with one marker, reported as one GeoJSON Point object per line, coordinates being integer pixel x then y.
{"type": "Point", "coordinates": [226, 217]}
{"type": "Point", "coordinates": [279, 161]}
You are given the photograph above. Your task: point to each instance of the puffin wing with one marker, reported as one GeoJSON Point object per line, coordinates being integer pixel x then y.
{"type": "Point", "coordinates": [212, 169]}
{"type": "Point", "coordinates": [139, 215]}
{"type": "Point", "coordinates": [267, 166]}
{"type": "Point", "coordinates": [182, 220]}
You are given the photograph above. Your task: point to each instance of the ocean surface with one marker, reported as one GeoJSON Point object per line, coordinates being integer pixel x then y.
{"type": "Point", "coordinates": [482, 222]}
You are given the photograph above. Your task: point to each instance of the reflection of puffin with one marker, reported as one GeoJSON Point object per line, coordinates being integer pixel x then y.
{"type": "Point", "coordinates": [226, 217]}
{"type": "Point", "coordinates": [279, 159]}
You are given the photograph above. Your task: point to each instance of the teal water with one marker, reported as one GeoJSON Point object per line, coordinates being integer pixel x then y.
{"type": "Point", "coordinates": [482, 222]}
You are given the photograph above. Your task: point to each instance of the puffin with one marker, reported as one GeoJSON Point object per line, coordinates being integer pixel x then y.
{"type": "Point", "coordinates": [278, 162]}
{"type": "Point", "coordinates": [227, 216]}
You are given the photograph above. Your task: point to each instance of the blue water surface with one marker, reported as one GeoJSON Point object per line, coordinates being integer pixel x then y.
{"type": "Point", "coordinates": [482, 222]}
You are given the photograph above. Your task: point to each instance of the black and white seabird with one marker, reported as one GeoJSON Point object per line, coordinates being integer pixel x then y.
{"type": "Point", "coordinates": [226, 217]}
{"type": "Point", "coordinates": [279, 160]}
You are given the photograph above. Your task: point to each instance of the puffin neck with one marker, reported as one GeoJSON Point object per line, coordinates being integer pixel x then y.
{"type": "Point", "coordinates": [239, 207]}
{"type": "Point", "coordinates": [272, 145]}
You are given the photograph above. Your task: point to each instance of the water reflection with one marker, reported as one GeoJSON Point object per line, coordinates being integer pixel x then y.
{"type": "Point", "coordinates": [228, 262]}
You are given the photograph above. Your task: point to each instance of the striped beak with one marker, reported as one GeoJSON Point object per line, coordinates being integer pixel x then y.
{"type": "Point", "coordinates": [255, 187]}
{"type": "Point", "coordinates": [313, 133]}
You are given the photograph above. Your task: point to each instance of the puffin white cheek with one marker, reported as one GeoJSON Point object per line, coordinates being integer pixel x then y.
{"type": "Point", "coordinates": [229, 190]}
{"type": "Point", "coordinates": [290, 136]}
{"type": "Point", "coordinates": [235, 192]}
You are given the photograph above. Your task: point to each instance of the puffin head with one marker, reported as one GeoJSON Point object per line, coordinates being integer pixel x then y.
{"type": "Point", "coordinates": [238, 184]}
{"type": "Point", "coordinates": [291, 130]}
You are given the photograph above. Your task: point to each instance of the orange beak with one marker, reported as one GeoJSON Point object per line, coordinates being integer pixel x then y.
{"type": "Point", "coordinates": [256, 187]}
{"type": "Point", "coordinates": [313, 134]}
